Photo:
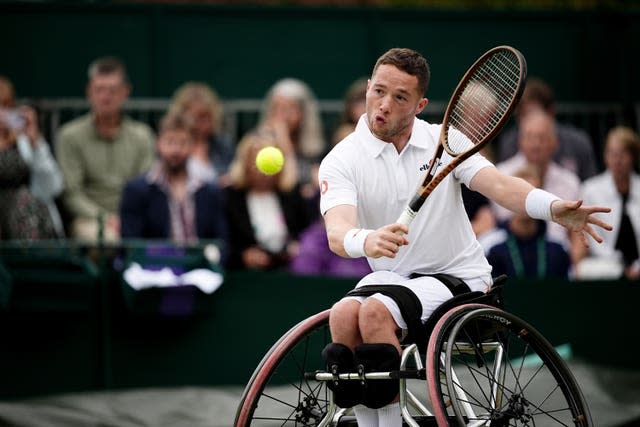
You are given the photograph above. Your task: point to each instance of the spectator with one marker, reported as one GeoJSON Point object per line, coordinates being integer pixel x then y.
{"type": "Point", "coordinates": [575, 148]}
{"type": "Point", "coordinates": [169, 201]}
{"type": "Point", "coordinates": [291, 111]}
{"type": "Point", "coordinates": [354, 107]}
{"type": "Point", "coordinates": [538, 142]}
{"type": "Point", "coordinates": [22, 215]}
{"type": "Point", "coordinates": [213, 150]}
{"type": "Point", "coordinates": [315, 258]}
{"type": "Point", "coordinates": [100, 151]}
{"type": "Point", "coordinates": [619, 187]}
{"type": "Point", "coordinates": [45, 178]}
{"type": "Point", "coordinates": [523, 250]}
{"type": "Point", "coordinates": [265, 213]}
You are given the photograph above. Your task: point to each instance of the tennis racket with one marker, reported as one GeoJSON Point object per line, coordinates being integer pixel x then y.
{"type": "Point", "coordinates": [478, 109]}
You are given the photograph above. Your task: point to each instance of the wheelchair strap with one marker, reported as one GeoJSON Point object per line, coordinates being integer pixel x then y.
{"type": "Point", "coordinates": [409, 303]}
{"type": "Point", "coordinates": [455, 285]}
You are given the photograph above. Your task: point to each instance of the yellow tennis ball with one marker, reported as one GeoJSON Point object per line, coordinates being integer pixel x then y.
{"type": "Point", "coordinates": [270, 160]}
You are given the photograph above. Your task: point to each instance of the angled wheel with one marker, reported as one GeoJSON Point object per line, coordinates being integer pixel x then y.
{"type": "Point", "coordinates": [489, 367]}
{"type": "Point", "coordinates": [277, 393]}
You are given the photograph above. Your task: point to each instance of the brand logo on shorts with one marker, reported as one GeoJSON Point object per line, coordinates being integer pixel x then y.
{"type": "Point", "coordinates": [324, 186]}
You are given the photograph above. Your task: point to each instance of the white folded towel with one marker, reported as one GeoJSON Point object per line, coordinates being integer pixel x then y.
{"type": "Point", "coordinates": [138, 278]}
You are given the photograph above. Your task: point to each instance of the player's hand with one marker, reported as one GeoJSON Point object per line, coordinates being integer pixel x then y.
{"type": "Point", "coordinates": [580, 219]}
{"type": "Point", "coordinates": [386, 241]}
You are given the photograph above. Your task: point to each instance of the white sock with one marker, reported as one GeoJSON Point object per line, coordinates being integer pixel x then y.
{"type": "Point", "coordinates": [390, 415]}
{"type": "Point", "coordinates": [366, 417]}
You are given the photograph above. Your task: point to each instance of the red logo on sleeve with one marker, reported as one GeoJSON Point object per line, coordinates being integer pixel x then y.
{"type": "Point", "coordinates": [324, 186]}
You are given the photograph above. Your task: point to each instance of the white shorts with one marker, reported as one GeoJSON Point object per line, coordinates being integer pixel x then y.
{"type": "Point", "coordinates": [430, 291]}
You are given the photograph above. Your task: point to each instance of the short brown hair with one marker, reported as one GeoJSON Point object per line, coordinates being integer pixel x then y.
{"type": "Point", "coordinates": [107, 65]}
{"type": "Point", "coordinates": [409, 61]}
{"type": "Point", "coordinates": [173, 121]}
{"type": "Point", "coordinates": [538, 91]}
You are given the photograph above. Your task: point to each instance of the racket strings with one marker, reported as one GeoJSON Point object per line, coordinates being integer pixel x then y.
{"type": "Point", "coordinates": [484, 101]}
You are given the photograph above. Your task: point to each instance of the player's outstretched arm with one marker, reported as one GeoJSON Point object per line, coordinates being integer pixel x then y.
{"type": "Point", "coordinates": [580, 219]}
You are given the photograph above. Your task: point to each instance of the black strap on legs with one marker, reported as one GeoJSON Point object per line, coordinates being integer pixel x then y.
{"type": "Point", "coordinates": [411, 307]}
{"type": "Point", "coordinates": [380, 357]}
{"type": "Point", "coordinates": [340, 359]}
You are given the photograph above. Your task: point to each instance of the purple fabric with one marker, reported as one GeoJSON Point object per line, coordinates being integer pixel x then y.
{"type": "Point", "coordinates": [178, 301]}
{"type": "Point", "coordinates": [165, 251]}
{"type": "Point", "coordinates": [315, 257]}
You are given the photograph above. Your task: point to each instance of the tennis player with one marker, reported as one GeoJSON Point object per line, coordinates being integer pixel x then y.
{"type": "Point", "coordinates": [366, 181]}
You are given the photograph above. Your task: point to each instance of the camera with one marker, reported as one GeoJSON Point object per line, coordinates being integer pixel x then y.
{"type": "Point", "coordinates": [12, 118]}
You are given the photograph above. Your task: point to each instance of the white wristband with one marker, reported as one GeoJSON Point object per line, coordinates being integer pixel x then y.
{"type": "Point", "coordinates": [538, 204]}
{"type": "Point", "coordinates": [354, 242]}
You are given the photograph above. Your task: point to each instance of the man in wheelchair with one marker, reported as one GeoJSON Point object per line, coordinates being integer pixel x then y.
{"type": "Point", "coordinates": [365, 182]}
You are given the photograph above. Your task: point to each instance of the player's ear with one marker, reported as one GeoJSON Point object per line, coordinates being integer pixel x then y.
{"type": "Point", "coordinates": [423, 103]}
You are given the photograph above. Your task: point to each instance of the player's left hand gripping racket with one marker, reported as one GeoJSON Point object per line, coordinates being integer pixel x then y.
{"type": "Point", "coordinates": [478, 109]}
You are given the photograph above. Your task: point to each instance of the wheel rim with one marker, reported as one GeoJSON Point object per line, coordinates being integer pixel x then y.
{"type": "Point", "coordinates": [534, 387]}
{"type": "Point", "coordinates": [283, 397]}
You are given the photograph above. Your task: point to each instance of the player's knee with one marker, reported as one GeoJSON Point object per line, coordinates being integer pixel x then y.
{"type": "Point", "coordinates": [345, 312]}
{"type": "Point", "coordinates": [380, 357]}
{"type": "Point", "coordinates": [374, 316]}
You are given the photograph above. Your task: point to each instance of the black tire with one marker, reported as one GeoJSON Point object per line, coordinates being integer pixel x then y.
{"type": "Point", "coordinates": [277, 393]}
{"type": "Point", "coordinates": [535, 387]}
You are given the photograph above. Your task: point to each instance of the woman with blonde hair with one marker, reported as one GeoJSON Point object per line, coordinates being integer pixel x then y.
{"type": "Point", "coordinates": [265, 213]}
{"type": "Point", "coordinates": [213, 149]}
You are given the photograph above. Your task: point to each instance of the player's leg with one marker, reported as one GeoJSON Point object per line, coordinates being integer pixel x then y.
{"type": "Point", "coordinates": [343, 322]}
{"type": "Point", "coordinates": [338, 355]}
{"type": "Point", "coordinates": [380, 352]}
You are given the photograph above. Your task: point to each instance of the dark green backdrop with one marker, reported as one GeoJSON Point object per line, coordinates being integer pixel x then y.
{"type": "Point", "coordinates": [590, 56]}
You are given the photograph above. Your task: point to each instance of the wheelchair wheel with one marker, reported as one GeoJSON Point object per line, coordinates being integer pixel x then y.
{"type": "Point", "coordinates": [277, 393]}
{"type": "Point", "coordinates": [488, 367]}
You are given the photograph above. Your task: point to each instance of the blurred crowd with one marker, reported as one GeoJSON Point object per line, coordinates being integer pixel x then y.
{"type": "Point", "coordinates": [106, 176]}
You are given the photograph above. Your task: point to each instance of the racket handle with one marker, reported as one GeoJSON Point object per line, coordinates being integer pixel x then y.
{"type": "Point", "coordinates": [407, 216]}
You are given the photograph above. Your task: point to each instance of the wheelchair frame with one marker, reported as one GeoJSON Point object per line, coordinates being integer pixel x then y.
{"type": "Point", "coordinates": [517, 377]}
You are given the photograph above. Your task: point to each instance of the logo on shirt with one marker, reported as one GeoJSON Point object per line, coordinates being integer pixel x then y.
{"type": "Point", "coordinates": [424, 167]}
{"type": "Point", "coordinates": [324, 186]}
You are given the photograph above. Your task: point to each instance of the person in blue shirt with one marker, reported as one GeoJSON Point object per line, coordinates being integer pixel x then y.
{"type": "Point", "coordinates": [168, 202]}
{"type": "Point", "coordinates": [524, 250]}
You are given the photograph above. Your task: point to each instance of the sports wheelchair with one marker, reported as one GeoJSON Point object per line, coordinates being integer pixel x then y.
{"type": "Point", "coordinates": [482, 366]}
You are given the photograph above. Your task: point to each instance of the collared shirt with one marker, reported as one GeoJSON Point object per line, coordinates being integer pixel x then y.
{"type": "Point", "coordinates": [96, 169]}
{"type": "Point", "coordinates": [370, 174]}
{"type": "Point", "coordinates": [182, 213]}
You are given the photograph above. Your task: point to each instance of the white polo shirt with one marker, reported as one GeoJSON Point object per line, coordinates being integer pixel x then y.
{"type": "Point", "coordinates": [368, 173]}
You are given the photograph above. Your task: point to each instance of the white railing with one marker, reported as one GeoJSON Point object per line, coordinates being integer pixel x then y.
{"type": "Point", "coordinates": [241, 115]}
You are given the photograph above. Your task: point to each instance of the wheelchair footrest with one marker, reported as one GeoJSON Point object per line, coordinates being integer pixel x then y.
{"type": "Point", "coordinates": [419, 374]}
{"type": "Point", "coordinates": [422, 420]}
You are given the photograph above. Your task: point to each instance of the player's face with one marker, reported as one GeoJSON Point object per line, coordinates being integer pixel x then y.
{"type": "Point", "coordinates": [393, 100]}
